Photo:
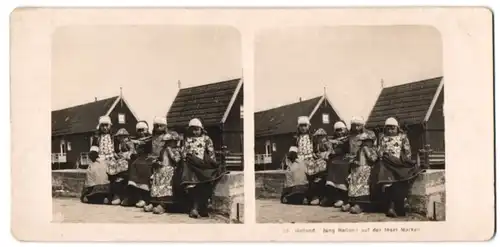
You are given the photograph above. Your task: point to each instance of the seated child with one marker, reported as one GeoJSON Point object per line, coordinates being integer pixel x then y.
{"type": "Point", "coordinates": [96, 188]}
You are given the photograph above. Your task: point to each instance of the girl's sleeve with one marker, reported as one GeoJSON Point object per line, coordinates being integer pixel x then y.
{"type": "Point", "coordinates": [406, 147]}
{"type": "Point", "coordinates": [328, 151]}
{"type": "Point", "coordinates": [375, 139]}
{"type": "Point", "coordinates": [131, 147]}
{"type": "Point", "coordinates": [210, 148]}
{"type": "Point", "coordinates": [339, 148]}
{"type": "Point", "coordinates": [175, 155]}
{"type": "Point", "coordinates": [371, 154]}
{"type": "Point", "coordinates": [163, 156]}
{"type": "Point", "coordinates": [379, 148]}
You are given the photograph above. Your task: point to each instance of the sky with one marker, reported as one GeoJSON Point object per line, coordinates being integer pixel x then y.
{"type": "Point", "coordinates": [349, 61]}
{"type": "Point", "coordinates": [146, 61]}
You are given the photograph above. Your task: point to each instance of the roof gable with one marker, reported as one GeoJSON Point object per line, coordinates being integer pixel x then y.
{"type": "Point", "coordinates": [81, 118]}
{"type": "Point", "coordinates": [410, 103]}
{"type": "Point", "coordinates": [208, 102]}
{"type": "Point", "coordinates": [283, 120]}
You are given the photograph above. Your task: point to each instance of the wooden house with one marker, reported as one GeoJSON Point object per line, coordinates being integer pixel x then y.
{"type": "Point", "coordinates": [73, 127]}
{"type": "Point", "coordinates": [219, 106]}
{"type": "Point", "coordinates": [418, 107]}
{"type": "Point", "coordinates": [275, 128]}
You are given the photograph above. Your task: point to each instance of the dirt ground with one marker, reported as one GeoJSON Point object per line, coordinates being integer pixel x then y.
{"type": "Point", "coordinates": [71, 210]}
{"type": "Point", "coordinates": [272, 211]}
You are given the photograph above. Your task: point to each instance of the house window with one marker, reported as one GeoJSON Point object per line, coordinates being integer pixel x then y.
{"type": "Point", "coordinates": [121, 118]}
{"type": "Point", "coordinates": [326, 118]}
{"type": "Point", "coordinates": [62, 146]}
{"type": "Point", "coordinates": [69, 146]}
{"type": "Point", "coordinates": [241, 111]}
{"type": "Point", "coordinates": [274, 147]}
{"type": "Point", "coordinates": [268, 147]}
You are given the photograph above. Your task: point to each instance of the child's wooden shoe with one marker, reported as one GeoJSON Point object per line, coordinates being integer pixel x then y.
{"type": "Point", "coordinates": [116, 201]}
{"type": "Point", "coordinates": [391, 213]}
{"type": "Point", "coordinates": [194, 214]}
{"type": "Point", "coordinates": [140, 204]}
{"type": "Point", "coordinates": [356, 209]}
{"type": "Point", "coordinates": [315, 201]}
{"type": "Point", "coordinates": [159, 209]}
{"type": "Point", "coordinates": [338, 204]}
{"type": "Point", "coordinates": [346, 207]}
{"type": "Point", "coordinates": [148, 208]}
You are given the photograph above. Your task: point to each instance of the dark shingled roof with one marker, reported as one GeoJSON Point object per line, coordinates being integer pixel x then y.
{"type": "Point", "coordinates": [81, 118]}
{"type": "Point", "coordinates": [282, 120]}
{"type": "Point", "coordinates": [207, 102]}
{"type": "Point", "coordinates": [408, 103]}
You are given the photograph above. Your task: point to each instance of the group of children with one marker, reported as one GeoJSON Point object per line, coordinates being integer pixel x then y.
{"type": "Point", "coordinates": [158, 172]}
{"type": "Point", "coordinates": [354, 171]}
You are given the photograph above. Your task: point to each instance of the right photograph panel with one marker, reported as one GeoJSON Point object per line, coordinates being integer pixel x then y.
{"type": "Point", "coordinates": [349, 124]}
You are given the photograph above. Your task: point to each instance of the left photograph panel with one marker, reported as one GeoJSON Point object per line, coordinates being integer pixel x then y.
{"type": "Point", "coordinates": [147, 124]}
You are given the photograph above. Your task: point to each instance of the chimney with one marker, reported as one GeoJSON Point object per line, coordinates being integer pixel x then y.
{"type": "Point", "coordinates": [300, 99]}
{"type": "Point", "coordinates": [121, 97]}
{"type": "Point", "coordinates": [95, 99]}
{"type": "Point", "coordinates": [382, 83]}
{"type": "Point", "coordinates": [179, 84]}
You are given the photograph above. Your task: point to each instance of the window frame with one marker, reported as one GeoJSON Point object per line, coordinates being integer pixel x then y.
{"type": "Point", "coordinates": [327, 118]}
{"type": "Point", "coordinates": [124, 118]}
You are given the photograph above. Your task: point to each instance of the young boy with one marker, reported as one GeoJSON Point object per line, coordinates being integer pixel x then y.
{"type": "Point", "coordinates": [296, 183]}
{"type": "Point", "coordinates": [96, 189]}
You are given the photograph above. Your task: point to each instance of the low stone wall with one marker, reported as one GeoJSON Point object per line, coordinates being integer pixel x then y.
{"type": "Point", "coordinates": [269, 184]}
{"type": "Point", "coordinates": [427, 195]}
{"type": "Point", "coordinates": [228, 200]}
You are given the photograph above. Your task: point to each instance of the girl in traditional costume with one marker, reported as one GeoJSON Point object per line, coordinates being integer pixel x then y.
{"type": "Point", "coordinates": [322, 150]}
{"type": "Point", "coordinates": [296, 183]}
{"type": "Point", "coordinates": [200, 168]}
{"type": "Point", "coordinates": [148, 153]}
{"type": "Point", "coordinates": [163, 178]}
{"type": "Point", "coordinates": [338, 166]}
{"type": "Point", "coordinates": [139, 141]}
{"type": "Point", "coordinates": [397, 169]}
{"type": "Point", "coordinates": [315, 170]}
{"type": "Point", "coordinates": [360, 179]}
{"type": "Point", "coordinates": [104, 142]}
{"type": "Point", "coordinates": [118, 171]}
{"type": "Point", "coordinates": [96, 188]}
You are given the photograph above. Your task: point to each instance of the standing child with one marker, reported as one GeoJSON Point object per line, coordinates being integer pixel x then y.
{"type": "Point", "coordinates": [397, 169]}
{"type": "Point", "coordinates": [104, 142]}
{"type": "Point", "coordinates": [96, 188]}
{"type": "Point", "coordinates": [200, 170]}
{"type": "Point", "coordinates": [357, 133]}
{"type": "Point", "coordinates": [305, 145]}
{"type": "Point", "coordinates": [148, 153]}
{"type": "Point", "coordinates": [359, 179]}
{"type": "Point", "coordinates": [118, 171]}
{"type": "Point", "coordinates": [338, 166]}
{"type": "Point", "coordinates": [162, 187]}
{"type": "Point", "coordinates": [322, 150]}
